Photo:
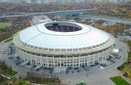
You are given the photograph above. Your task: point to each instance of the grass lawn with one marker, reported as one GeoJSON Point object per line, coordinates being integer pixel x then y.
{"type": "Point", "coordinates": [80, 84]}
{"type": "Point", "coordinates": [11, 73]}
{"type": "Point", "coordinates": [3, 25]}
{"type": "Point", "coordinates": [129, 73]}
{"type": "Point", "coordinates": [118, 80]}
{"type": "Point", "coordinates": [46, 80]}
{"type": "Point", "coordinates": [2, 79]}
{"type": "Point", "coordinates": [123, 66]}
{"type": "Point", "coordinates": [8, 40]}
{"type": "Point", "coordinates": [48, 68]}
{"type": "Point", "coordinates": [129, 54]}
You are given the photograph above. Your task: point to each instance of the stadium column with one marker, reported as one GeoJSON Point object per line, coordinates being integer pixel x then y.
{"type": "Point", "coordinates": [47, 61]}
{"type": "Point", "coordinates": [30, 57]}
{"type": "Point", "coordinates": [53, 61]}
{"type": "Point", "coordinates": [79, 61]}
{"type": "Point", "coordinates": [22, 54]}
{"type": "Point", "coordinates": [66, 61]}
{"type": "Point", "coordinates": [35, 60]}
{"type": "Point", "coordinates": [32, 60]}
{"type": "Point", "coordinates": [18, 53]}
{"type": "Point", "coordinates": [41, 59]}
{"type": "Point", "coordinates": [99, 57]}
{"type": "Point", "coordinates": [23, 57]}
{"type": "Point", "coordinates": [73, 62]}
{"type": "Point", "coordinates": [60, 62]}
{"type": "Point", "coordinates": [107, 53]}
{"type": "Point", "coordinates": [16, 50]}
{"type": "Point", "coordinates": [104, 56]}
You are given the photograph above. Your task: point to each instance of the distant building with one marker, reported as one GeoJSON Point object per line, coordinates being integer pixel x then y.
{"type": "Point", "coordinates": [41, 19]}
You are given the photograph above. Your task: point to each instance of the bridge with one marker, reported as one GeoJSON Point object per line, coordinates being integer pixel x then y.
{"type": "Point", "coordinates": [66, 12]}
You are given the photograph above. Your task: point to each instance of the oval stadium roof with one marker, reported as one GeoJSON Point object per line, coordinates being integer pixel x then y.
{"type": "Point", "coordinates": [40, 36]}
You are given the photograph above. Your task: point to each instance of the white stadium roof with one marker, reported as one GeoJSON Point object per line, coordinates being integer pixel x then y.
{"type": "Point", "coordinates": [40, 36]}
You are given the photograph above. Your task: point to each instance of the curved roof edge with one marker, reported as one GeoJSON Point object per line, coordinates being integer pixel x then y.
{"type": "Point", "coordinates": [45, 51]}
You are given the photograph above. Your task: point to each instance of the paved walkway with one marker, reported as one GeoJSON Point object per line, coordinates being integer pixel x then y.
{"type": "Point", "coordinates": [98, 76]}
{"type": "Point", "coordinates": [4, 56]}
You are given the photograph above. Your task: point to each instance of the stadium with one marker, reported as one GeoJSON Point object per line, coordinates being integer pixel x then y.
{"type": "Point", "coordinates": [63, 44]}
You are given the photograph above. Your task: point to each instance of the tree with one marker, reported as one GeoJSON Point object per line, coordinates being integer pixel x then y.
{"type": "Point", "coordinates": [129, 44]}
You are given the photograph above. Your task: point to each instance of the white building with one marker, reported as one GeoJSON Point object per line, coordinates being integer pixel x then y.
{"type": "Point", "coordinates": [41, 19]}
{"type": "Point", "coordinates": [63, 44]}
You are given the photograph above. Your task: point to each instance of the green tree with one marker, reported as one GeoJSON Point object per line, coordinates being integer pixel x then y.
{"type": "Point", "coordinates": [129, 44]}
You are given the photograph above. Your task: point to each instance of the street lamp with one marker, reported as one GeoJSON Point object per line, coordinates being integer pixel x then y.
{"type": "Point", "coordinates": [68, 82]}
{"type": "Point", "coordinates": [82, 81]}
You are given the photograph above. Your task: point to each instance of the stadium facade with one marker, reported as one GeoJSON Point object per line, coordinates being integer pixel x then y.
{"type": "Point", "coordinates": [63, 44]}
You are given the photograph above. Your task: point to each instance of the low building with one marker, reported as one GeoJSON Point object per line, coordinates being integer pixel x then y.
{"type": "Point", "coordinates": [41, 19]}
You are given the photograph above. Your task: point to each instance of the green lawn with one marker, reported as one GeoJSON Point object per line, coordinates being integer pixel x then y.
{"type": "Point", "coordinates": [2, 79]}
{"type": "Point", "coordinates": [8, 40]}
{"type": "Point", "coordinates": [11, 72]}
{"type": "Point", "coordinates": [129, 73]}
{"type": "Point", "coordinates": [80, 84]}
{"type": "Point", "coordinates": [3, 25]}
{"type": "Point", "coordinates": [123, 66]}
{"type": "Point", "coordinates": [118, 80]}
{"type": "Point", "coordinates": [46, 80]}
{"type": "Point", "coordinates": [129, 54]}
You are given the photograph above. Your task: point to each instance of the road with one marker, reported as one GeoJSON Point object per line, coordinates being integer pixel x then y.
{"type": "Point", "coordinates": [108, 18]}
{"type": "Point", "coordinates": [42, 13]}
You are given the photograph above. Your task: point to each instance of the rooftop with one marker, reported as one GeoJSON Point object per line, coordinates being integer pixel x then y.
{"type": "Point", "coordinates": [41, 36]}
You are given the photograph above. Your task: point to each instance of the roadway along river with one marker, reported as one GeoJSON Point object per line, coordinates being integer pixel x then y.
{"type": "Point", "coordinates": [108, 18]}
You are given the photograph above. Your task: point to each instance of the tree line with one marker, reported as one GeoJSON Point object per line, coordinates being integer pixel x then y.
{"type": "Point", "coordinates": [18, 23]}
{"type": "Point", "coordinates": [110, 9]}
